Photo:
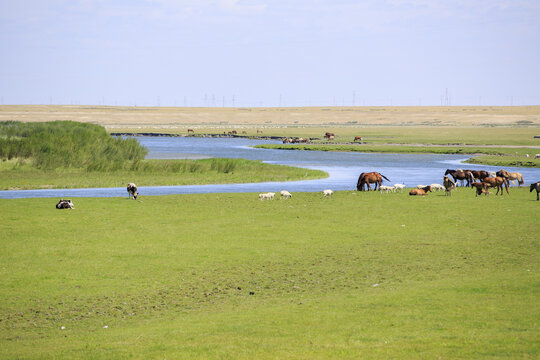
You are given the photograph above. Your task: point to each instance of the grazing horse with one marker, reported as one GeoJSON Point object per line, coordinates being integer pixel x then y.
{"type": "Point", "coordinates": [460, 175]}
{"type": "Point", "coordinates": [370, 178]}
{"type": "Point", "coordinates": [359, 138]}
{"type": "Point", "coordinates": [190, 131]}
{"type": "Point", "coordinates": [497, 182]}
{"type": "Point", "coordinates": [132, 191]}
{"type": "Point", "coordinates": [480, 188]}
{"type": "Point", "coordinates": [511, 176]}
{"type": "Point", "coordinates": [536, 186]}
{"type": "Point", "coordinates": [420, 192]}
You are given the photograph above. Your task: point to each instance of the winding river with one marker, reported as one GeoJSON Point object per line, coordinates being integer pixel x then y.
{"type": "Point", "coordinates": [343, 168]}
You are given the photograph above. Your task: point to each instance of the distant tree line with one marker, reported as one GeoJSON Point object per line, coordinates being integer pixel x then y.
{"type": "Point", "coordinates": [68, 144]}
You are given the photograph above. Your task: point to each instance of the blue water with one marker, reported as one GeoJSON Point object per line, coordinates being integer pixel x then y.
{"type": "Point", "coordinates": [343, 168]}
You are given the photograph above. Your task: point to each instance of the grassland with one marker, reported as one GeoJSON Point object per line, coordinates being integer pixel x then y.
{"type": "Point", "coordinates": [179, 117]}
{"type": "Point", "coordinates": [360, 275]}
{"type": "Point", "coordinates": [21, 175]}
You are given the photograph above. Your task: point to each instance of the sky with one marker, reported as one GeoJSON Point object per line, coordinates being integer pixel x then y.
{"type": "Point", "coordinates": [270, 53]}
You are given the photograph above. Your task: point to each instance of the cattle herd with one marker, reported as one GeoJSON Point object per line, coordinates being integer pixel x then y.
{"type": "Point", "coordinates": [481, 181]}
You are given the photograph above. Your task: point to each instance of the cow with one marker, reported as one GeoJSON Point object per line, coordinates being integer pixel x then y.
{"type": "Point", "coordinates": [190, 131]}
{"type": "Point", "coordinates": [132, 191]}
{"type": "Point", "coordinates": [359, 138]}
{"type": "Point", "coordinates": [65, 204]}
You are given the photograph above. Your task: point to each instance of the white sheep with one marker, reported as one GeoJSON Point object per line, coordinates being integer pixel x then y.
{"type": "Point", "coordinates": [267, 196]}
{"type": "Point", "coordinates": [537, 156]}
{"type": "Point", "coordinates": [327, 192]}
{"type": "Point", "coordinates": [420, 186]}
{"type": "Point", "coordinates": [386, 189]}
{"type": "Point", "coordinates": [437, 187]}
{"type": "Point", "coordinates": [399, 187]}
{"type": "Point", "coordinates": [285, 194]}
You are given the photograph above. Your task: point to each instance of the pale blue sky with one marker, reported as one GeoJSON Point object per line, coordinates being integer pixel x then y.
{"type": "Point", "coordinates": [270, 53]}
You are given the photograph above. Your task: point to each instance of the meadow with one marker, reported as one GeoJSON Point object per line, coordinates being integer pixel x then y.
{"type": "Point", "coordinates": [359, 275]}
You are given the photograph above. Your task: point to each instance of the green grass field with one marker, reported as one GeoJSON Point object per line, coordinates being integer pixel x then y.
{"type": "Point", "coordinates": [15, 174]}
{"type": "Point", "coordinates": [226, 276]}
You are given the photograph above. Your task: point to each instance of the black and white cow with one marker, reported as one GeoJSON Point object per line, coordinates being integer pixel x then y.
{"type": "Point", "coordinates": [65, 204]}
{"type": "Point", "coordinates": [132, 191]}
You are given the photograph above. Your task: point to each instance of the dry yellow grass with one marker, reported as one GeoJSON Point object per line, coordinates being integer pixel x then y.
{"type": "Point", "coordinates": [179, 117]}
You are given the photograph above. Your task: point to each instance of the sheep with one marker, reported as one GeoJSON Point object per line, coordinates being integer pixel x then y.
{"type": "Point", "coordinates": [437, 187]}
{"type": "Point", "coordinates": [420, 186]}
{"type": "Point", "coordinates": [386, 189]}
{"type": "Point", "coordinates": [267, 196]}
{"type": "Point", "coordinates": [285, 194]}
{"type": "Point", "coordinates": [399, 187]}
{"type": "Point", "coordinates": [537, 156]}
{"type": "Point", "coordinates": [327, 192]}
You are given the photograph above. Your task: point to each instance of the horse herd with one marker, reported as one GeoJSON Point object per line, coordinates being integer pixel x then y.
{"type": "Point", "coordinates": [480, 180]}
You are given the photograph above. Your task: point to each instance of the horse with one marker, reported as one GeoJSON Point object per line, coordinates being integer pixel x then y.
{"type": "Point", "coordinates": [370, 178]}
{"type": "Point", "coordinates": [460, 175]}
{"type": "Point", "coordinates": [536, 186]}
{"type": "Point", "coordinates": [480, 188]}
{"type": "Point", "coordinates": [479, 174]}
{"type": "Point", "coordinates": [449, 185]}
{"type": "Point", "coordinates": [359, 138]}
{"type": "Point", "coordinates": [421, 192]}
{"type": "Point", "coordinates": [497, 182]}
{"type": "Point", "coordinates": [511, 176]}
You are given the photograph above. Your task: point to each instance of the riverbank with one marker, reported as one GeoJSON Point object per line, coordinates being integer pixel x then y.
{"type": "Point", "coordinates": [504, 156]}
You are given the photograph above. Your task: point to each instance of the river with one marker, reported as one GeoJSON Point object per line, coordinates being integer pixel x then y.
{"type": "Point", "coordinates": [343, 168]}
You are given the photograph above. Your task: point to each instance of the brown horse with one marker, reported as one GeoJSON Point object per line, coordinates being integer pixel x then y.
{"type": "Point", "coordinates": [359, 138]}
{"type": "Point", "coordinates": [370, 178]}
{"type": "Point", "coordinates": [460, 175]}
{"type": "Point", "coordinates": [536, 186]}
{"type": "Point", "coordinates": [511, 176]}
{"type": "Point", "coordinates": [480, 188]}
{"type": "Point", "coordinates": [497, 182]}
{"type": "Point", "coordinates": [479, 174]}
{"type": "Point", "coordinates": [421, 192]}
